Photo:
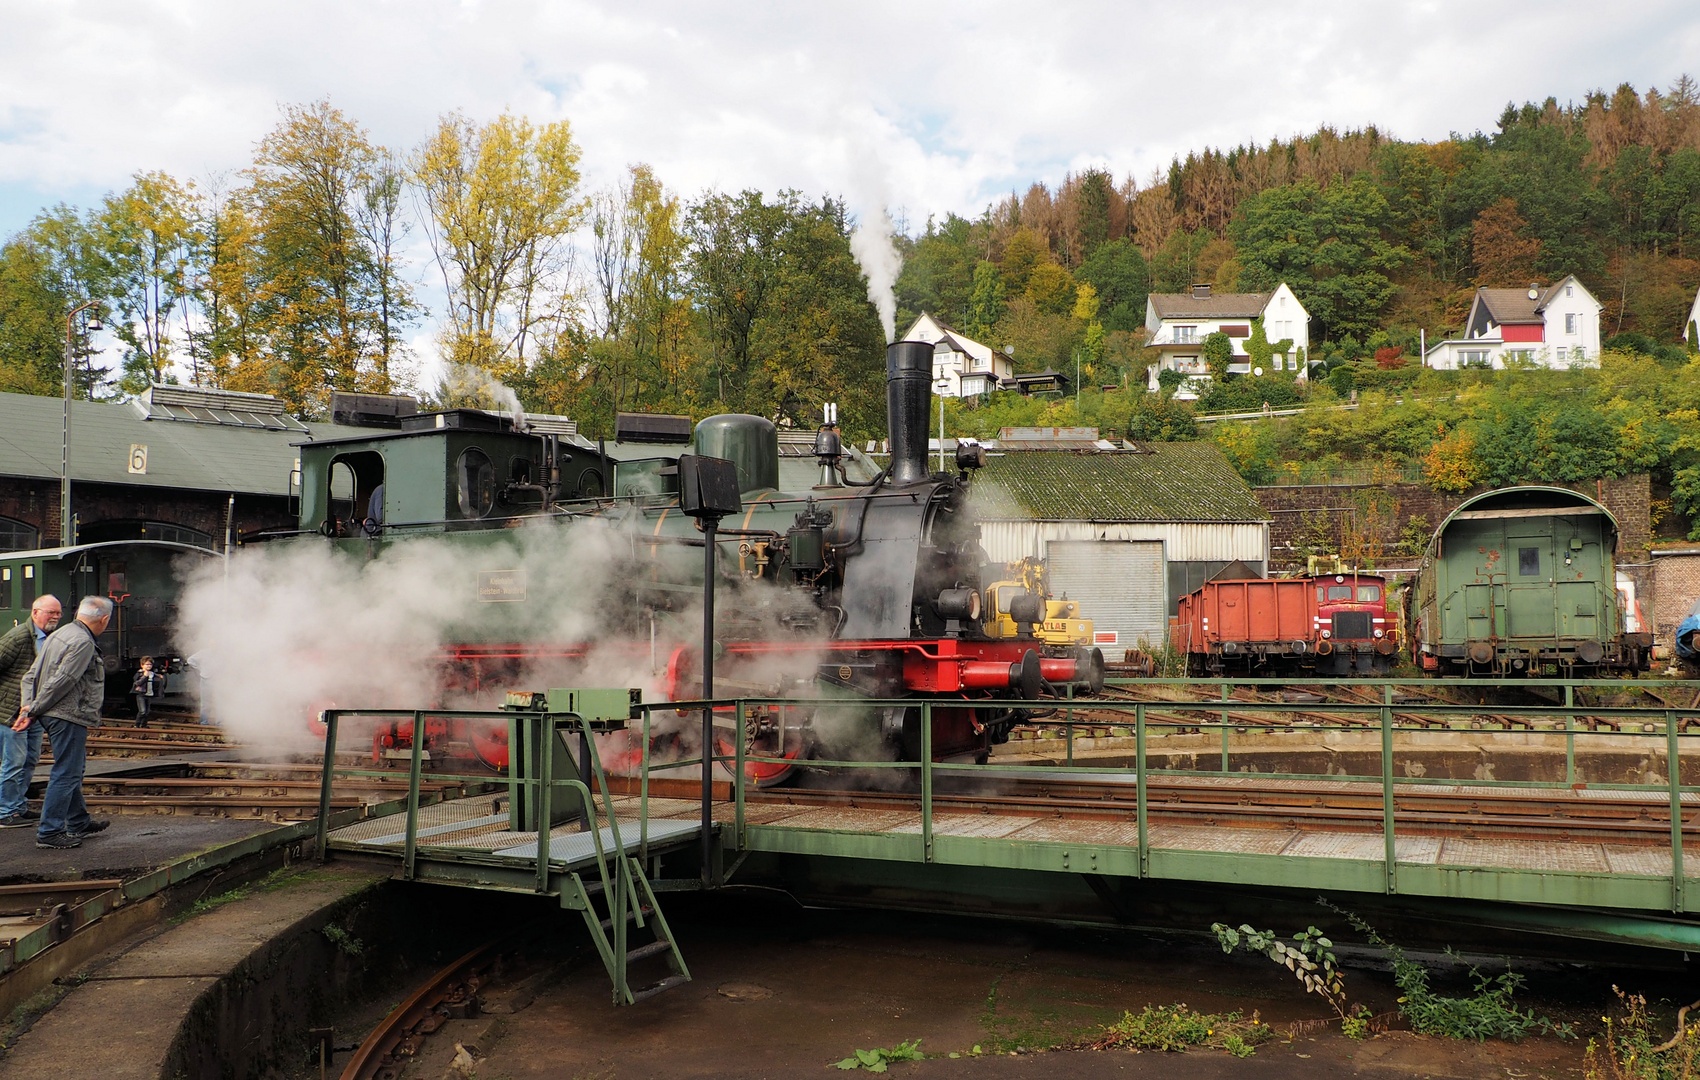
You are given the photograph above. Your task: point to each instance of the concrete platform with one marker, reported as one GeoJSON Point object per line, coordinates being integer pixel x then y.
{"type": "Point", "coordinates": [121, 1022]}
{"type": "Point", "coordinates": [134, 845]}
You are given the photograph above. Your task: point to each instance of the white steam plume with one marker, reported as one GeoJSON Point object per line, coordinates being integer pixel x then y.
{"type": "Point", "coordinates": [466, 387]}
{"type": "Point", "coordinates": [298, 627]}
{"type": "Point", "coordinates": [880, 261]}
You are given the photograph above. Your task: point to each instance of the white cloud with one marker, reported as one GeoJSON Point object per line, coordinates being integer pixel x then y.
{"type": "Point", "coordinates": [956, 103]}
{"type": "Point", "coordinates": [925, 108]}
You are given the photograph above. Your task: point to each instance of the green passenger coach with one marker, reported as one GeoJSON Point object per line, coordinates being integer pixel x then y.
{"type": "Point", "coordinates": [143, 578]}
{"type": "Point", "coordinates": [1523, 580]}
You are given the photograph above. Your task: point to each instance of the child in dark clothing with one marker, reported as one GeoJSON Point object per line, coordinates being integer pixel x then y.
{"type": "Point", "coordinates": [148, 684]}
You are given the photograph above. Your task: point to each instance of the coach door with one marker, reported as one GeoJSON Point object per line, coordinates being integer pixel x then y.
{"type": "Point", "coordinates": [1530, 601]}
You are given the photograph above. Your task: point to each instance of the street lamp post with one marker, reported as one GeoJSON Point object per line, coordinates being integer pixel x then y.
{"type": "Point", "coordinates": [943, 386]}
{"type": "Point", "coordinates": [65, 537]}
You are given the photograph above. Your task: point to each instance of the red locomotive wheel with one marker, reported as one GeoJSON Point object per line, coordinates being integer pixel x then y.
{"type": "Point", "coordinates": [762, 774]}
{"type": "Point", "coordinates": [489, 741]}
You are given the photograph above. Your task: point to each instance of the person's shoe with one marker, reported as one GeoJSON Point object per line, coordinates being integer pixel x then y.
{"type": "Point", "coordinates": [29, 815]}
{"type": "Point", "coordinates": [14, 821]}
{"type": "Point", "coordinates": [59, 841]}
{"type": "Point", "coordinates": [94, 825]}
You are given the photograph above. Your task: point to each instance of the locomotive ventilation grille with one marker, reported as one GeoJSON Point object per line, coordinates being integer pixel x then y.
{"type": "Point", "coordinates": [1351, 624]}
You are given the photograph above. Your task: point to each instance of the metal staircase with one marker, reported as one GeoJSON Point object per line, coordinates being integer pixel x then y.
{"type": "Point", "coordinates": [618, 899]}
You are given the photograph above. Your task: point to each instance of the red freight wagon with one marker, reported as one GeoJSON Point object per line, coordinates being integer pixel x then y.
{"type": "Point", "coordinates": [1331, 623]}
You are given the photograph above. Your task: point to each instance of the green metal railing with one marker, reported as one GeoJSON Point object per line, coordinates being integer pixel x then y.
{"type": "Point", "coordinates": [1661, 725]}
{"type": "Point", "coordinates": [1207, 721]}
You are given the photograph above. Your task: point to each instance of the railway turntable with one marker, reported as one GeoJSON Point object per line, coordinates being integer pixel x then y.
{"type": "Point", "coordinates": [1571, 852]}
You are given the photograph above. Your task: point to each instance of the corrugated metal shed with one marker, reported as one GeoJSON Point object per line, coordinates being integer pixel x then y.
{"type": "Point", "coordinates": [181, 453]}
{"type": "Point", "coordinates": [1183, 494]}
{"type": "Point", "coordinates": [1166, 482]}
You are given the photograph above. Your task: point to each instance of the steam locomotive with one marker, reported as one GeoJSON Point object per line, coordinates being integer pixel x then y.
{"type": "Point", "coordinates": [577, 561]}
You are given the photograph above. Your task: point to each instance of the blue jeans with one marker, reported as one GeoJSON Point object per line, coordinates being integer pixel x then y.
{"type": "Point", "coordinates": [62, 809]}
{"type": "Point", "coordinates": [20, 753]}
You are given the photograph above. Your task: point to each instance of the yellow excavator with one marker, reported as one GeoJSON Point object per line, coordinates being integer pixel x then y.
{"type": "Point", "coordinates": [1022, 601]}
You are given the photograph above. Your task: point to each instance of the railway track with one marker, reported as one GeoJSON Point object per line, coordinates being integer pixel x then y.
{"type": "Point", "coordinates": [1458, 810]}
{"type": "Point", "coordinates": [234, 789]}
{"type": "Point", "coordinates": [1294, 714]}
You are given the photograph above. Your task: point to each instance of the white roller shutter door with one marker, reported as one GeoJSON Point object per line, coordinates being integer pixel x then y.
{"type": "Point", "coordinates": [1119, 584]}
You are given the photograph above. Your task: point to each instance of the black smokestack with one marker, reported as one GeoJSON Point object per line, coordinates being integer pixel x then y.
{"type": "Point", "coordinates": [908, 395]}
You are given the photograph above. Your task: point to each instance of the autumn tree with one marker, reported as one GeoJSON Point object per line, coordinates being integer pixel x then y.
{"type": "Point", "coordinates": [1503, 252]}
{"type": "Point", "coordinates": [147, 235]}
{"type": "Point", "coordinates": [986, 304]}
{"type": "Point", "coordinates": [222, 286]}
{"type": "Point", "coordinates": [321, 288]}
{"type": "Point", "coordinates": [502, 202]}
{"type": "Point", "coordinates": [1328, 245]}
{"type": "Point", "coordinates": [783, 309]}
{"type": "Point", "coordinates": [635, 352]}
{"type": "Point", "coordinates": [49, 268]}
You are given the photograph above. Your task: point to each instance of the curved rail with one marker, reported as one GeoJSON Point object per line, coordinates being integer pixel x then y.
{"type": "Point", "coordinates": [375, 1058]}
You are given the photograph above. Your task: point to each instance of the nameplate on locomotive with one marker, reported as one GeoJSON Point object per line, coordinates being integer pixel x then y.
{"type": "Point", "coordinates": [501, 586]}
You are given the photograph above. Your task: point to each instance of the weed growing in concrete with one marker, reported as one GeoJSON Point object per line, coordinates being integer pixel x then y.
{"type": "Point", "coordinates": [1310, 959]}
{"type": "Point", "coordinates": [877, 1060]}
{"type": "Point", "coordinates": [1176, 1027]}
{"type": "Point", "coordinates": [346, 943]}
{"type": "Point", "coordinates": [1489, 1013]}
{"type": "Point", "coordinates": [1628, 1051]}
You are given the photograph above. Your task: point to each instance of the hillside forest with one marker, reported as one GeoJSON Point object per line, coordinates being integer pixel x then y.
{"type": "Point", "coordinates": [306, 272]}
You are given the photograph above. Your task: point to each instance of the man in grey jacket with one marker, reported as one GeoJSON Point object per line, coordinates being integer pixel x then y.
{"type": "Point", "coordinates": [21, 750]}
{"type": "Point", "coordinates": [63, 690]}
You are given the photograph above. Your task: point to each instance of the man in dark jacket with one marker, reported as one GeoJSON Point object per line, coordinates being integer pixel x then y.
{"type": "Point", "coordinates": [63, 690]}
{"type": "Point", "coordinates": [20, 751]}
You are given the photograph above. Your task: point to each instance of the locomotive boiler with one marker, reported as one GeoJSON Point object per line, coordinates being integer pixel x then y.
{"type": "Point", "coordinates": [570, 560]}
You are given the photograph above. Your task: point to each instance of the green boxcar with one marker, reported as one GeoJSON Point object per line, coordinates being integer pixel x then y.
{"type": "Point", "coordinates": [1524, 580]}
{"type": "Point", "coordinates": [142, 577]}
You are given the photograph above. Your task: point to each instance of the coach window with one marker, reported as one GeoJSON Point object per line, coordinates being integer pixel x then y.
{"type": "Point", "coordinates": [5, 587]}
{"type": "Point", "coordinates": [475, 485]}
{"type": "Point", "coordinates": [28, 595]}
{"type": "Point", "coordinates": [18, 535]}
{"type": "Point", "coordinates": [1529, 562]}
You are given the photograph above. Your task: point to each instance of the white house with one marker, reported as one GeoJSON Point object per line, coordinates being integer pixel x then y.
{"type": "Point", "coordinates": [1179, 322]}
{"type": "Point", "coordinates": [1691, 326]}
{"type": "Point", "coordinates": [1557, 326]}
{"type": "Point", "coordinates": [967, 367]}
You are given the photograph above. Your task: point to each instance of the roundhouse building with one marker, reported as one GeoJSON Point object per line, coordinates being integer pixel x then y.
{"type": "Point", "coordinates": [177, 463]}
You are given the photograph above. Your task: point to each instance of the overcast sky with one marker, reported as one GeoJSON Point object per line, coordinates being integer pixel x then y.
{"type": "Point", "coordinates": [925, 107]}
{"type": "Point", "coordinates": [922, 107]}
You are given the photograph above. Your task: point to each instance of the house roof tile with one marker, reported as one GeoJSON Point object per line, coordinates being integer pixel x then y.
{"type": "Point", "coordinates": [1216, 306]}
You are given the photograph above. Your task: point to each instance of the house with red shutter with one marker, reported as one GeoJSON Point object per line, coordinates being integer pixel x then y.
{"type": "Point", "coordinates": [1554, 325]}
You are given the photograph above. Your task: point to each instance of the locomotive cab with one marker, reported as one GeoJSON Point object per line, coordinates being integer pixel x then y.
{"type": "Point", "coordinates": [447, 470]}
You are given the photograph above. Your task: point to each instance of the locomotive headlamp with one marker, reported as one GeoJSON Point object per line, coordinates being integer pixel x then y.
{"type": "Point", "coordinates": [1327, 633]}
{"type": "Point", "coordinates": [958, 604]}
{"type": "Point", "coordinates": [1378, 633]}
{"type": "Point", "coordinates": [969, 455]}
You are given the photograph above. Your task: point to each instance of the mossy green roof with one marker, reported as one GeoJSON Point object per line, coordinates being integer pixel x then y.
{"type": "Point", "coordinates": [1183, 481]}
